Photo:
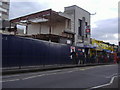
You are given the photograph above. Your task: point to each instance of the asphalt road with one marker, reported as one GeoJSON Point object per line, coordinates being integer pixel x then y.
{"type": "Point", "coordinates": [81, 77]}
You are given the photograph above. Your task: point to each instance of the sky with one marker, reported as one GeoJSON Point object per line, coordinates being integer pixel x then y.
{"type": "Point", "coordinates": [104, 24]}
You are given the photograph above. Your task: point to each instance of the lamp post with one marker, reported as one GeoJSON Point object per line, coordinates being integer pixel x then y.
{"type": "Point", "coordinates": [95, 44]}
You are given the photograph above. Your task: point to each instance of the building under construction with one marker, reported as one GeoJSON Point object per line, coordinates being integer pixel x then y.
{"type": "Point", "coordinates": [69, 27]}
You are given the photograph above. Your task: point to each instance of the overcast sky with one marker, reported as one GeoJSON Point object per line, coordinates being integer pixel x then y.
{"type": "Point", "coordinates": [104, 25]}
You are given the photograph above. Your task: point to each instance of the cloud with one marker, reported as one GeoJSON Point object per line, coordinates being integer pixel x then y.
{"type": "Point", "coordinates": [18, 9]}
{"type": "Point", "coordinates": [106, 30]}
{"type": "Point", "coordinates": [105, 9]}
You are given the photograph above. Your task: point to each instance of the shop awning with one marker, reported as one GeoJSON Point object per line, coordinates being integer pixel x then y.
{"type": "Point", "coordinates": [107, 50]}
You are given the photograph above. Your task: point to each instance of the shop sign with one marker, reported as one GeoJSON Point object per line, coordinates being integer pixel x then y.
{"type": "Point", "coordinates": [72, 48]}
{"type": "Point", "coordinates": [88, 29]}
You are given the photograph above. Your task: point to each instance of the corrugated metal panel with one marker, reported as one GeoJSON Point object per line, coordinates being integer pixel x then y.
{"type": "Point", "coordinates": [19, 51]}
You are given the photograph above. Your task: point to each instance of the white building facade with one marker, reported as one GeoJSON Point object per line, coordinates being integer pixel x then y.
{"type": "Point", "coordinates": [4, 13]}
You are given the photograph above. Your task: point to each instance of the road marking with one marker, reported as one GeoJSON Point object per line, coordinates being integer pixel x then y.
{"type": "Point", "coordinates": [86, 68]}
{"type": "Point", "coordinates": [82, 69]}
{"type": "Point", "coordinates": [110, 65]}
{"type": "Point", "coordinates": [33, 77]}
{"type": "Point", "coordinates": [70, 71]}
{"type": "Point", "coordinates": [48, 73]}
{"type": "Point", "coordinates": [51, 74]}
{"type": "Point", "coordinates": [112, 75]}
{"type": "Point", "coordinates": [38, 76]}
{"type": "Point", "coordinates": [111, 81]}
{"type": "Point", "coordinates": [10, 80]}
{"type": "Point", "coordinates": [55, 71]}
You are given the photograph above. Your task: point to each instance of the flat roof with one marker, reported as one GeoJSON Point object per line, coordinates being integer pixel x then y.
{"type": "Point", "coordinates": [78, 7]}
{"type": "Point", "coordinates": [42, 14]}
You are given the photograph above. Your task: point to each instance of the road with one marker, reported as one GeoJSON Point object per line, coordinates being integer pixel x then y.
{"type": "Point", "coordinates": [79, 77]}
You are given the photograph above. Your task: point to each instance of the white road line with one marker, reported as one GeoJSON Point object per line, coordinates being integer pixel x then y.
{"type": "Point", "coordinates": [10, 80]}
{"type": "Point", "coordinates": [85, 68]}
{"type": "Point", "coordinates": [55, 71]}
{"type": "Point", "coordinates": [33, 77]}
{"type": "Point", "coordinates": [82, 69]}
{"type": "Point", "coordinates": [70, 71]}
{"type": "Point", "coordinates": [112, 75]}
{"type": "Point", "coordinates": [105, 84]}
{"type": "Point", "coordinates": [110, 65]}
{"type": "Point", "coordinates": [51, 74]}
{"type": "Point", "coordinates": [45, 75]}
{"type": "Point", "coordinates": [31, 73]}
{"type": "Point", "coordinates": [30, 77]}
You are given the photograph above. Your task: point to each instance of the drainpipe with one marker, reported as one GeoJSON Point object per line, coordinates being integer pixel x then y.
{"type": "Point", "coordinates": [15, 29]}
{"type": "Point", "coordinates": [26, 32]}
{"type": "Point", "coordinates": [26, 29]}
{"type": "Point", "coordinates": [40, 29]}
{"type": "Point", "coordinates": [50, 26]}
{"type": "Point", "coordinates": [74, 27]}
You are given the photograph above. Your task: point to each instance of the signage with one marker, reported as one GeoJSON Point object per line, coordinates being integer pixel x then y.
{"type": "Point", "coordinates": [80, 45]}
{"type": "Point", "coordinates": [88, 29]}
{"type": "Point", "coordinates": [100, 45]}
{"type": "Point", "coordinates": [68, 41]}
{"type": "Point", "coordinates": [72, 48]}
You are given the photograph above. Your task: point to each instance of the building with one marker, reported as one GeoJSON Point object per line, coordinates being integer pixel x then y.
{"type": "Point", "coordinates": [4, 10]}
{"type": "Point", "coordinates": [71, 26]}
{"type": "Point", "coordinates": [4, 14]}
{"type": "Point", "coordinates": [80, 20]}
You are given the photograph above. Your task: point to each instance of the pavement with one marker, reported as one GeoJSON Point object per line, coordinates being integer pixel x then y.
{"type": "Point", "coordinates": [86, 78]}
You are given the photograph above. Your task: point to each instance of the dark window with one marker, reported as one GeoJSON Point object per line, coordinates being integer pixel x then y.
{"type": "Point", "coordinates": [5, 2]}
{"type": "Point", "coordinates": [79, 27]}
{"type": "Point", "coordinates": [86, 36]}
{"type": "Point", "coordinates": [86, 23]}
{"type": "Point", "coordinates": [6, 13]}
{"type": "Point", "coordinates": [68, 24]}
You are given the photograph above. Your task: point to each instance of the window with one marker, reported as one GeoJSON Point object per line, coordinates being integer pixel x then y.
{"type": "Point", "coordinates": [79, 27]}
{"type": "Point", "coordinates": [4, 2]}
{"type": "Point", "coordinates": [0, 3]}
{"type": "Point", "coordinates": [2, 9]}
{"type": "Point", "coordinates": [86, 23]}
{"type": "Point", "coordinates": [68, 24]}
{"type": "Point", "coordinates": [0, 14]}
{"type": "Point", "coordinates": [86, 36]}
